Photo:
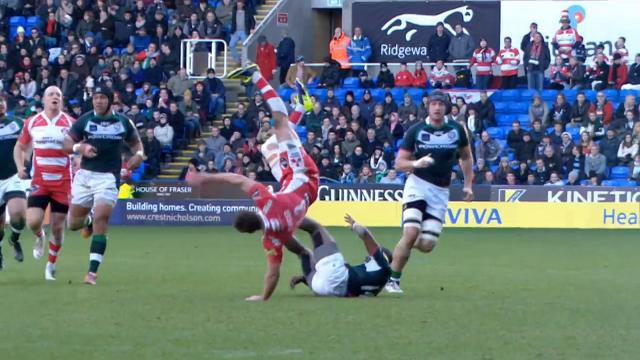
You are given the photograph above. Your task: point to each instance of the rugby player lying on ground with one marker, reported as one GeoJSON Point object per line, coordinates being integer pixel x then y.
{"type": "Point", "coordinates": [327, 273]}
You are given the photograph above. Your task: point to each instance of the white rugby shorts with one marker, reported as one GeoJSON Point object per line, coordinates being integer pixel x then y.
{"type": "Point", "coordinates": [12, 184]}
{"type": "Point", "coordinates": [331, 276]}
{"type": "Point", "coordinates": [91, 187]}
{"type": "Point", "coordinates": [437, 198]}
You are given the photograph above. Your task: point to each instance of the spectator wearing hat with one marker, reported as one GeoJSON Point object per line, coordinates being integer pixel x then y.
{"type": "Point", "coordinates": [285, 56]}
{"type": "Point", "coordinates": [330, 76]}
{"type": "Point", "coordinates": [299, 71]}
{"type": "Point", "coordinates": [566, 39]}
{"type": "Point", "coordinates": [365, 82]}
{"type": "Point", "coordinates": [438, 45]}
{"type": "Point", "coordinates": [359, 50]}
{"type": "Point", "coordinates": [242, 23]}
{"type": "Point", "coordinates": [385, 77]}
{"type": "Point", "coordinates": [266, 58]}
{"type": "Point", "coordinates": [618, 72]}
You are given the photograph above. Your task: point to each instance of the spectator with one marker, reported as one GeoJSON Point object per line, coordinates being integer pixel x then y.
{"type": "Point", "coordinates": [224, 13]}
{"type": "Point", "coordinates": [222, 157]}
{"type": "Point", "coordinates": [164, 132]}
{"type": "Point", "coordinates": [306, 75]}
{"type": "Point", "coordinates": [440, 77]}
{"type": "Point", "coordinates": [577, 74]}
{"type": "Point", "coordinates": [514, 137]}
{"type": "Point", "coordinates": [438, 45]}
{"type": "Point", "coordinates": [382, 132]}
{"type": "Point", "coordinates": [556, 133]}
{"type": "Point", "coordinates": [593, 126]}
{"type": "Point", "coordinates": [634, 170]}
{"type": "Point", "coordinates": [178, 123]}
{"type": "Point", "coordinates": [618, 73]}
{"type": "Point", "coordinates": [242, 23]}
{"type": "Point", "coordinates": [359, 50]}
{"type": "Point", "coordinates": [152, 152]}
{"type": "Point", "coordinates": [560, 111]}
{"type": "Point", "coordinates": [419, 75]}
{"type": "Point", "coordinates": [67, 83]}
{"type": "Point", "coordinates": [285, 56]}
{"type": "Point", "coordinates": [389, 106]}
{"type": "Point", "coordinates": [202, 155]}
{"type": "Point", "coordinates": [28, 87]}
{"type": "Point", "coordinates": [538, 110]}
{"type": "Point", "coordinates": [395, 127]}
{"type": "Point", "coordinates": [229, 166]}
{"type": "Point", "coordinates": [620, 48]}
{"type": "Point", "coordinates": [551, 159]}
{"type": "Point", "coordinates": [595, 164]}
{"type": "Point", "coordinates": [215, 143]}
{"type": "Point", "coordinates": [487, 178]}
{"type": "Point", "coordinates": [536, 61]}
{"type": "Point", "coordinates": [554, 179]}
{"type": "Point", "coordinates": [331, 101]}
{"type": "Point", "coordinates": [586, 140]}
{"type": "Point", "coordinates": [598, 74]}
{"type": "Point", "coordinates": [566, 148]}
{"type": "Point", "coordinates": [385, 77]}
{"type": "Point", "coordinates": [216, 91]}
{"type": "Point", "coordinates": [337, 157]}
{"type": "Point", "coordinates": [579, 112]}
{"type": "Point", "coordinates": [461, 45]}
{"type": "Point", "coordinates": [627, 151]}
{"type": "Point", "coordinates": [626, 124]}
{"type": "Point", "coordinates": [528, 37]}
{"type": "Point", "coordinates": [575, 165]}
{"type": "Point", "coordinates": [603, 109]}
{"type": "Point", "coordinates": [559, 74]}
{"type": "Point", "coordinates": [486, 111]}
{"type": "Point", "coordinates": [456, 116]}
{"type": "Point", "coordinates": [407, 108]}
{"type": "Point", "coordinates": [391, 178]}
{"type": "Point", "coordinates": [347, 177]}
{"type": "Point", "coordinates": [525, 150]}
{"type": "Point", "coordinates": [365, 82]}
{"type": "Point", "coordinates": [566, 39]}
{"type": "Point", "coordinates": [211, 27]}
{"type": "Point", "coordinates": [473, 122]}
{"type": "Point", "coordinates": [265, 58]}
{"type": "Point", "coordinates": [327, 170]}
{"type": "Point", "coordinates": [169, 61]}
{"type": "Point", "coordinates": [629, 105]}
{"type": "Point", "coordinates": [330, 76]}
{"type": "Point", "coordinates": [541, 173]}
{"type": "Point", "coordinates": [488, 149]}
{"type": "Point", "coordinates": [313, 118]}
{"type": "Point", "coordinates": [508, 58]}
{"type": "Point", "coordinates": [358, 158]}
{"type": "Point", "coordinates": [522, 173]}
{"type": "Point", "coordinates": [350, 143]}
{"type": "Point", "coordinates": [179, 83]}
{"type": "Point", "coordinates": [404, 78]}
{"type": "Point", "coordinates": [366, 176]}
{"type": "Point", "coordinates": [600, 51]}
{"type": "Point", "coordinates": [338, 48]}
{"type": "Point", "coordinates": [503, 169]}
{"type": "Point", "coordinates": [483, 57]}
{"type": "Point", "coordinates": [633, 80]}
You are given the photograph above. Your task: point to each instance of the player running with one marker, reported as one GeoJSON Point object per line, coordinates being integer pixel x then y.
{"type": "Point", "coordinates": [429, 151]}
{"type": "Point", "coordinates": [329, 275]}
{"type": "Point", "coordinates": [99, 137]}
{"type": "Point", "coordinates": [12, 191]}
{"type": "Point", "coordinates": [51, 182]}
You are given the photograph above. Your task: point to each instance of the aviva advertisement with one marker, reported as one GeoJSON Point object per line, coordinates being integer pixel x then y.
{"type": "Point", "coordinates": [491, 214]}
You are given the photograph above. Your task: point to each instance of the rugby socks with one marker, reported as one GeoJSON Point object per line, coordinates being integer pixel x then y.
{"type": "Point", "coordinates": [395, 276]}
{"type": "Point", "coordinates": [271, 96]}
{"type": "Point", "coordinates": [16, 230]}
{"type": "Point", "coordinates": [40, 233]}
{"type": "Point", "coordinates": [98, 247]}
{"type": "Point", "coordinates": [54, 249]}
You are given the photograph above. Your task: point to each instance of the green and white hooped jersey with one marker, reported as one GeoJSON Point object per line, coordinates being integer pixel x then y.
{"type": "Point", "coordinates": [10, 129]}
{"type": "Point", "coordinates": [443, 143]}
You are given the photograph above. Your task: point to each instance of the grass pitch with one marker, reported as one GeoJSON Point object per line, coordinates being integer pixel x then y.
{"type": "Point", "coordinates": [177, 293]}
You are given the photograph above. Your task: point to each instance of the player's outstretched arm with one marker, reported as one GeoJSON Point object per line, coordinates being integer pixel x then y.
{"type": "Point", "coordinates": [199, 179]}
{"type": "Point", "coordinates": [363, 233]}
{"type": "Point", "coordinates": [466, 164]}
{"type": "Point", "coordinates": [270, 282]}
{"type": "Point", "coordinates": [136, 148]}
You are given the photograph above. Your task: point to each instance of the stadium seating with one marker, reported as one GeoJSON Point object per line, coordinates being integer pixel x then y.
{"type": "Point", "coordinates": [549, 95]}
{"type": "Point", "coordinates": [510, 95]}
{"type": "Point", "coordinates": [496, 133]}
{"type": "Point", "coordinates": [351, 83]}
{"type": "Point", "coordinates": [32, 22]}
{"type": "Point", "coordinates": [619, 172]}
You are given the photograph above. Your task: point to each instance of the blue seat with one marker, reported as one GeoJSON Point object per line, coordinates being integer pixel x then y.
{"type": "Point", "coordinates": [619, 172]}
{"type": "Point", "coordinates": [17, 21]}
{"type": "Point", "coordinates": [493, 168]}
{"type": "Point", "coordinates": [33, 22]}
{"type": "Point", "coordinates": [320, 94]}
{"type": "Point", "coordinates": [357, 94]}
{"type": "Point", "coordinates": [504, 119]}
{"type": "Point", "coordinates": [575, 133]}
{"type": "Point", "coordinates": [340, 94]}
{"type": "Point", "coordinates": [527, 95]}
{"type": "Point", "coordinates": [351, 83]}
{"type": "Point", "coordinates": [570, 94]}
{"type": "Point", "coordinates": [496, 133]}
{"type": "Point", "coordinates": [628, 183]}
{"type": "Point", "coordinates": [284, 93]}
{"type": "Point", "coordinates": [590, 95]}
{"type": "Point", "coordinates": [510, 95]}
{"type": "Point", "coordinates": [518, 107]}
{"type": "Point", "coordinates": [524, 120]}
{"type": "Point", "coordinates": [611, 94]}
{"type": "Point", "coordinates": [398, 94]}
{"type": "Point", "coordinates": [610, 183]}
{"type": "Point", "coordinates": [549, 95]}
{"type": "Point", "coordinates": [416, 94]}
{"type": "Point", "coordinates": [584, 182]}
{"type": "Point", "coordinates": [302, 132]}
{"type": "Point", "coordinates": [496, 96]}
{"type": "Point", "coordinates": [505, 130]}
{"type": "Point", "coordinates": [503, 143]}
{"type": "Point", "coordinates": [624, 93]}
{"type": "Point", "coordinates": [397, 144]}
{"type": "Point", "coordinates": [501, 107]}
{"type": "Point", "coordinates": [378, 94]}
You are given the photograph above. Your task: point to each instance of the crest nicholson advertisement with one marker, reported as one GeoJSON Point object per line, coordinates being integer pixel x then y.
{"type": "Point", "coordinates": [400, 31]}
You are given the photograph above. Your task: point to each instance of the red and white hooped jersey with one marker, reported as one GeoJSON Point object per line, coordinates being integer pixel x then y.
{"type": "Point", "coordinates": [51, 164]}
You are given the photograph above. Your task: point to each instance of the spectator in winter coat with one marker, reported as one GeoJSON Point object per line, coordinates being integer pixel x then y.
{"type": "Point", "coordinates": [536, 60]}
{"type": "Point", "coordinates": [419, 75]}
{"type": "Point", "coordinates": [633, 80]}
{"type": "Point", "coordinates": [365, 82]}
{"type": "Point", "coordinates": [595, 164]}
{"type": "Point", "coordinates": [385, 77]}
{"type": "Point", "coordinates": [242, 23]}
{"type": "Point", "coordinates": [579, 111]}
{"type": "Point", "coordinates": [627, 151]}
{"type": "Point", "coordinates": [486, 111]}
{"type": "Point", "coordinates": [538, 110]}
{"type": "Point", "coordinates": [488, 149]}
{"type": "Point", "coordinates": [407, 108]}
{"type": "Point", "coordinates": [618, 73]}
{"type": "Point", "coordinates": [359, 50]}
{"type": "Point", "coordinates": [525, 150]}
{"type": "Point", "coordinates": [338, 49]}
{"type": "Point", "coordinates": [440, 77]}
{"type": "Point", "coordinates": [629, 105]}
{"type": "Point", "coordinates": [609, 146]}
{"type": "Point", "coordinates": [461, 45]}
{"type": "Point", "coordinates": [603, 109]}
{"type": "Point", "coordinates": [285, 55]}
{"type": "Point", "coordinates": [330, 76]}
{"type": "Point", "coordinates": [482, 59]}
{"type": "Point", "coordinates": [577, 72]}
{"type": "Point", "coordinates": [164, 132]}
{"type": "Point", "coordinates": [404, 78]}
{"type": "Point", "coordinates": [560, 111]}
{"type": "Point", "coordinates": [438, 45]}
{"type": "Point", "coordinates": [366, 105]}
{"type": "Point", "coordinates": [599, 73]}
{"type": "Point", "coordinates": [528, 37]}
{"type": "Point", "coordinates": [508, 58]}
{"type": "Point", "coordinates": [559, 74]}
{"type": "Point", "coordinates": [266, 58]}
{"type": "Point", "coordinates": [514, 137]}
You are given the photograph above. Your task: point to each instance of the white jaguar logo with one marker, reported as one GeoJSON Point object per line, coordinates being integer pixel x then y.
{"type": "Point", "coordinates": [426, 20]}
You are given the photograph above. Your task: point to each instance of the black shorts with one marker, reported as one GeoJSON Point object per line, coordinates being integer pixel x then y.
{"type": "Point", "coordinates": [42, 201]}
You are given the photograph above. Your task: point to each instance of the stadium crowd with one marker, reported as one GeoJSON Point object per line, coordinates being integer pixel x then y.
{"type": "Point", "coordinates": [570, 132]}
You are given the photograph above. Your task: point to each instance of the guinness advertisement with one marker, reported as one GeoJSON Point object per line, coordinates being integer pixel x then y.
{"type": "Point", "coordinates": [379, 192]}
{"type": "Point", "coordinates": [399, 31]}
{"type": "Point", "coordinates": [566, 194]}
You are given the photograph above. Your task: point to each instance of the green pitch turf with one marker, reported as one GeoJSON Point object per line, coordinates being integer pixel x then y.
{"type": "Point", "coordinates": [177, 293]}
